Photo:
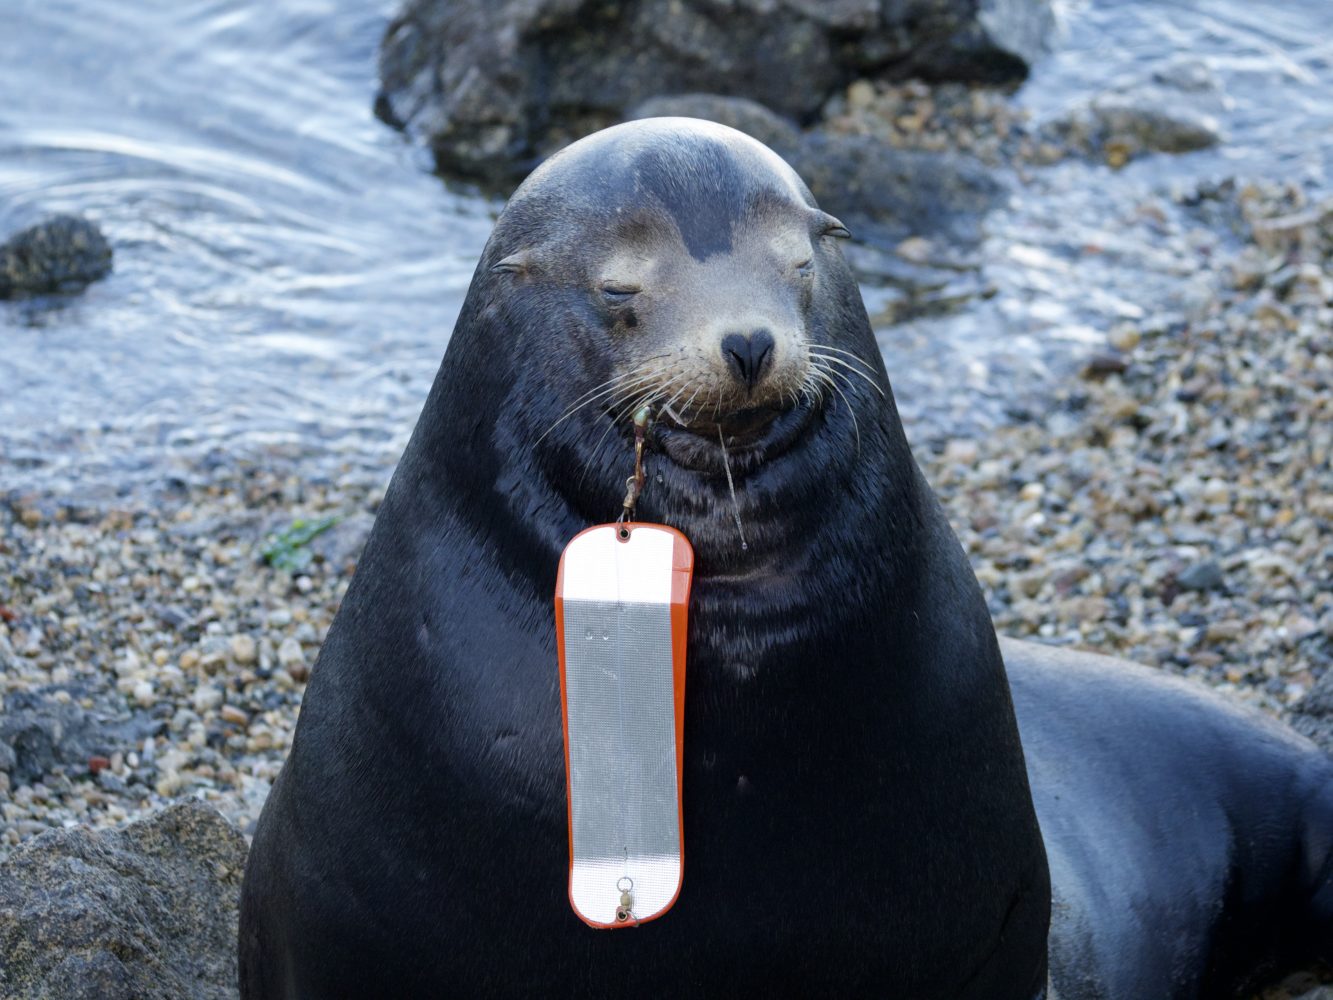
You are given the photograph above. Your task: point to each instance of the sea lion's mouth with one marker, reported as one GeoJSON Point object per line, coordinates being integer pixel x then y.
{"type": "Point", "coordinates": [741, 429]}
{"type": "Point", "coordinates": [753, 436]}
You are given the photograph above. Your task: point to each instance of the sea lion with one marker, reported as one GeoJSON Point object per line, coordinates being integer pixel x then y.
{"type": "Point", "coordinates": [857, 812]}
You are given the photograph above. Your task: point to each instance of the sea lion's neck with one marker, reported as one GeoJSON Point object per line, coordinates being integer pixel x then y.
{"type": "Point", "coordinates": [839, 529]}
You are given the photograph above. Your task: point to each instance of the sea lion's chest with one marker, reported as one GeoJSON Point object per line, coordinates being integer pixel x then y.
{"type": "Point", "coordinates": [818, 852]}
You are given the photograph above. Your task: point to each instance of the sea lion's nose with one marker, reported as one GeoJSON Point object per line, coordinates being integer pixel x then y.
{"type": "Point", "coordinates": [748, 355]}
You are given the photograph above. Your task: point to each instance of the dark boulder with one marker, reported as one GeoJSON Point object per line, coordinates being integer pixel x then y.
{"type": "Point", "coordinates": [885, 194]}
{"type": "Point", "coordinates": [494, 85]}
{"type": "Point", "coordinates": [744, 115]}
{"type": "Point", "coordinates": [62, 254]}
{"type": "Point", "coordinates": [143, 913]}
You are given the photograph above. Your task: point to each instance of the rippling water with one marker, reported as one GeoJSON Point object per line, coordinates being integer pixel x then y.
{"type": "Point", "coordinates": [1081, 247]}
{"type": "Point", "coordinates": [287, 271]}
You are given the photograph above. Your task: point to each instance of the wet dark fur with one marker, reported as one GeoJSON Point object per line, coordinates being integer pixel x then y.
{"type": "Point", "coordinates": [858, 819]}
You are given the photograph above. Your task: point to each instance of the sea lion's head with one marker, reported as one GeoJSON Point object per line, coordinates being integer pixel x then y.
{"type": "Point", "coordinates": [683, 267]}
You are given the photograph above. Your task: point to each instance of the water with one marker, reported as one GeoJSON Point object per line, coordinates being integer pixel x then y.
{"type": "Point", "coordinates": [287, 271]}
{"type": "Point", "coordinates": [1081, 247]}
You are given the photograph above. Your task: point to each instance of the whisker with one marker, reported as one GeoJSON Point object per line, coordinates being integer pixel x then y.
{"type": "Point", "coordinates": [685, 385]}
{"type": "Point", "coordinates": [624, 383]}
{"type": "Point", "coordinates": [851, 410]}
{"type": "Point", "coordinates": [703, 381]}
{"type": "Point", "coordinates": [648, 398]}
{"type": "Point", "coordinates": [639, 370]}
{"type": "Point", "coordinates": [820, 377]}
{"type": "Point", "coordinates": [850, 354]}
{"type": "Point", "coordinates": [731, 488]}
{"type": "Point", "coordinates": [844, 364]}
{"type": "Point", "coordinates": [637, 374]}
{"type": "Point", "coordinates": [852, 362]}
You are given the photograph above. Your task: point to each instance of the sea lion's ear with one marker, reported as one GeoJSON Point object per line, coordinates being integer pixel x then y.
{"type": "Point", "coordinates": [515, 263]}
{"type": "Point", "coordinates": [827, 225]}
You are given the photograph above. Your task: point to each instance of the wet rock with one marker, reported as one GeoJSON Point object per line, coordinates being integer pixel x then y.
{"type": "Point", "coordinates": [144, 912]}
{"type": "Point", "coordinates": [1139, 121]}
{"type": "Point", "coordinates": [492, 86]}
{"type": "Point", "coordinates": [61, 254]}
{"type": "Point", "coordinates": [778, 133]}
{"type": "Point", "coordinates": [1172, 110]}
{"type": "Point", "coordinates": [885, 195]}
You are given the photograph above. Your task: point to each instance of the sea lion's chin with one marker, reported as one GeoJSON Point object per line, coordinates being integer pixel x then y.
{"type": "Point", "coordinates": [753, 436]}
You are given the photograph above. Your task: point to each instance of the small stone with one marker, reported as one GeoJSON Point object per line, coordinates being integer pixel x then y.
{"type": "Point", "coordinates": [1205, 575]}
{"type": "Point", "coordinates": [860, 95]}
{"type": "Point", "coordinates": [205, 698]}
{"type": "Point", "coordinates": [1124, 338]}
{"type": "Point", "coordinates": [144, 693]}
{"type": "Point", "coordinates": [244, 650]}
{"type": "Point", "coordinates": [169, 784]}
{"type": "Point", "coordinates": [1226, 630]}
{"type": "Point", "coordinates": [290, 653]}
{"type": "Point", "coordinates": [98, 763]}
{"type": "Point", "coordinates": [129, 663]}
{"type": "Point", "coordinates": [234, 715]}
{"type": "Point", "coordinates": [1105, 363]}
{"type": "Point", "coordinates": [917, 249]}
{"type": "Point", "coordinates": [1118, 154]}
{"type": "Point", "coordinates": [961, 451]}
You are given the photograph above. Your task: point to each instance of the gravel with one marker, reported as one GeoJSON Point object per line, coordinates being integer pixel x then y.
{"type": "Point", "coordinates": [150, 653]}
{"type": "Point", "coordinates": [1179, 512]}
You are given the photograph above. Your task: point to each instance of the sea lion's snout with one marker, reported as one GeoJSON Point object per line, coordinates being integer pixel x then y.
{"type": "Point", "coordinates": [748, 356]}
{"type": "Point", "coordinates": [721, 341]}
